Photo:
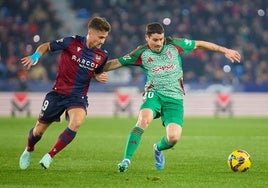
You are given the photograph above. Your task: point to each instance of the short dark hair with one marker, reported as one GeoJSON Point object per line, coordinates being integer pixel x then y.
{"type": "Point", "coordinates": [100, 24]}
{"type": "Point", "coordinates": [155, 27]}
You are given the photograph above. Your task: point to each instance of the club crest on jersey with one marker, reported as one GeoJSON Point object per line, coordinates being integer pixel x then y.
{"type": "Point", "coordinates": [78, 49]}
{"type": "Point", "coordinates": [98, 58]}
{"type": "Point", "coordinates": [169, 54]}
{"type": "Point", "coordinates": [150, 60]}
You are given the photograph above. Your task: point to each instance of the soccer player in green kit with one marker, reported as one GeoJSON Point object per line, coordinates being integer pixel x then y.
{"type": "Point", "coordinates": [163, 95]}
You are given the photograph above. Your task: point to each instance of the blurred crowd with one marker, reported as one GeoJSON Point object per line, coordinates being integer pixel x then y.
{"type": "Point", "coordinates": [23, 25]}
{"type": "Point", "coordinates": [238, 24]}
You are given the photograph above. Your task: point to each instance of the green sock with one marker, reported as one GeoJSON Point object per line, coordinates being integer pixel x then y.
{"type": "Point", "coordinates": [164, 144]}
{"type": "Point", "coordinates": [133, 142]}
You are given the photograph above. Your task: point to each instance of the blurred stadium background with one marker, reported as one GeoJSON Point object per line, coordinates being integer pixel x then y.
{"type": "Point", "coordinates": [238, 89]}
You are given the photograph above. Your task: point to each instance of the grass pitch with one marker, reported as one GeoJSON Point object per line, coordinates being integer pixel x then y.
{"type": "Point", "coordinates": [198, 160]}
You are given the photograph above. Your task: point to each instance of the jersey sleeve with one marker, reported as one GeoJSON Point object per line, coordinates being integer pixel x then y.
{"type": "Point", "coordinates": [133, 58]}
{"type": "Point", "coordinates": [183, 45]}
{"type": "Point", "coordinates": [61, 44]}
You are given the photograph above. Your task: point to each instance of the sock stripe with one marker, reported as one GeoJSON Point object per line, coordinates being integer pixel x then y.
{"type": "Point", "coordinates": [138, 131]}
{"type": "Point", "coordinates": [70, 132]}
{"type": "Point", "coordinates": [67, 136]}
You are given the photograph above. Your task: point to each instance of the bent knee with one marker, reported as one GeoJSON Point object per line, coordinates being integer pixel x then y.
{"type": "Point", "coordinates": [40, 129]}
{"type": "Point", "coordinates": [75, 124]}
{"type": "Point", "coordinates": [173, 139]}
{"type": "Point", "coordinates": [143, 123]}
{"type": "Point", "coordinates": [38, 132]}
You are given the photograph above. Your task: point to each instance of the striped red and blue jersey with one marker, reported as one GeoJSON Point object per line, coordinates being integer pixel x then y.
{"type": "Point", "coordinates": [77, 65]}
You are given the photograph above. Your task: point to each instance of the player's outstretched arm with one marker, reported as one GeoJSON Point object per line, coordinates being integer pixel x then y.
{"type": "Point", "coordinates": [232, 55]}
{"type": "Point", "coordinates": [31, 60]}
{"type": "Point", "coordinates": [112, 64]}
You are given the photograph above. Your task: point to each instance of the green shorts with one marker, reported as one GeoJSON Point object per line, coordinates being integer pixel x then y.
{"type": "Point", "coordinates": [170, 110]}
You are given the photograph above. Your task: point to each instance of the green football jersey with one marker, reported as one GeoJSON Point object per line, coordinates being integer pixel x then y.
{"type": "Point", "coordinates": [163, 69]}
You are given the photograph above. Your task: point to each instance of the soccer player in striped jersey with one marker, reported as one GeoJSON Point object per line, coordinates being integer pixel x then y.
{"type": "Point", "coordinates": [82, 59]}
{"type": "Point", "coordinates": [163, 95]}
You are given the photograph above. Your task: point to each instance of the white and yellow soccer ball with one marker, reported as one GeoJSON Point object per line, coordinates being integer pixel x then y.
{"type": "Point", "coordinates": [239, 161]}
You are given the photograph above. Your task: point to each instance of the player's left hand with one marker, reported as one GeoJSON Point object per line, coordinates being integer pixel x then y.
{"type": "Point", "coordinates": [233, 55]}
{"type": "Point", "coordinates": [102, 77]}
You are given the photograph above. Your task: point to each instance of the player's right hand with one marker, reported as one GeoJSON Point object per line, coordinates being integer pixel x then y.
{"type": "Point", "coordinates": [102, 77]}
{"type": "Point", "coordinates": [27, 62]}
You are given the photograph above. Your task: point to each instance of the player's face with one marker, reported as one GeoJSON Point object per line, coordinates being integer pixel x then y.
{"type": "Point", "coordinates": [95, 38]}
{"type": "Point", "coordinates": [155, 41]}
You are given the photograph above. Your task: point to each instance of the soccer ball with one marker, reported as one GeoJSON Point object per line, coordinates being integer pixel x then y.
{"type": "Point", "coordinates": [239, 161]}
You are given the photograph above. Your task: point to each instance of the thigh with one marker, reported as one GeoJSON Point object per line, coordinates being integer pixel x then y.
{"type": "Point", "coordinates": [151, 101]}
{"type": "Point", "coordinates": [172, 111]}
{"type": "Point", "coordinates": [76, 117]}
{"type": "Point", "coordinates": [173, 131]}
